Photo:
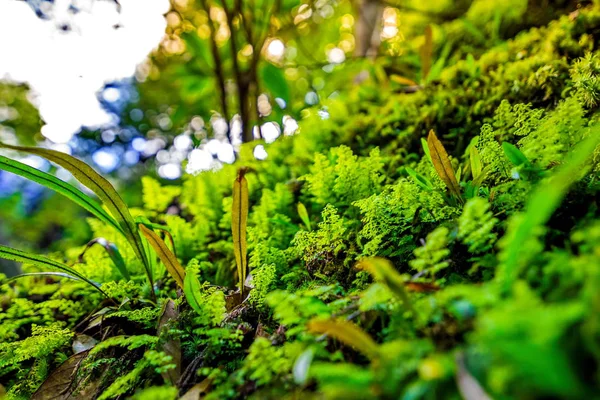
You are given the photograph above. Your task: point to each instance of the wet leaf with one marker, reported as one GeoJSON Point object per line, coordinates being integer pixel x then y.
{"type": "Point", "coordinates": [172, 346]}
{"type": "Point", "coordinates": [347, 333]}
{"type": "Point", "coordinates": [441, 163]}
{"type": "Point", "coordinates": [59, 186]}
{"type": "Point", "coordinates": [166, 256]}
{"type": "Point", "coordinates": [239, 220]}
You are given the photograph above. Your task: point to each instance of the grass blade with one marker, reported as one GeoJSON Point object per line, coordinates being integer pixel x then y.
{"type": "Point", "coordinates": [166, 256]}
{"type": "Point", "coordinates": [347, 333]}
{"type": "Point", "coordinates": [239, 219]}
{"type": "Point", "coordinates": [103, 189]}
{"type": "Point", "coordinates": [9, 253]}
{"type": "Point", "coordinates": [61, 187]}
{"type": "Point", "coordinates": [426, 53]}
{"type": "Point", "coordinates": [441, 163]}
{"type": "Point", "coordinates": [514, 154]}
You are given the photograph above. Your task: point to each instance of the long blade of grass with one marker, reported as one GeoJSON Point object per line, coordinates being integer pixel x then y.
{"type": "Point", "coordinates": [542, 203]}
{"type": "Point", "coordinates": [9, 253]}
{"type": "Point", "coordinates": [347, 333]}
{"type": "Point", "coordinates": [303, 213]}
{"type": "Point", "coordinates": [166, 256]}
{"type": "Point", "coordinates": [59, 186]}
{"type": "Point", "coordinates": [102, 188]}
{"type": "Point", "coordinates": [239, 220]}
{"type": "Point", "coordinates": [475, 158]}
{"type": "Point", "coordinates": [441, 163]}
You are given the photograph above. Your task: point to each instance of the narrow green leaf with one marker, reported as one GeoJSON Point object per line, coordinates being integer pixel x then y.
{"type": "Point", "coordinates": [103, 189]}
{"type": "Point", "coordinates": [441, 163]}
{"type": "Point", "coordinates": [274, 80]}
{"type": "Point", "coordinates": [419, 179]}
{"type": "Point", "coordinates": [426, 149]}
{"type": "Point", "coordinates": [304, 216]}
{"type": "Point", "coordinates": [475, 158]}
{"type": "Point", "coordinates": [61, 187]}
{"type": "Point", "coordinates": [166, 256]}
{"type": "Point", "coordinates": [347, 333]}
{"type": "Point", "coordinates": [56, 274]}
{"type": "Point", "coordinates": [239, 220]}
{"type": "Point", "coordinates": [542, 203]}
{"type": "Point", "coordinates": [383, 271]}
{"type": "Point", "coordinates": [514, 155]}
{"type": "Point", "coordinates": [112, 251]}
{"type": "Point", "coordinates": [9, 253]}
{"type": "Point", "coordinates": [192, 289]}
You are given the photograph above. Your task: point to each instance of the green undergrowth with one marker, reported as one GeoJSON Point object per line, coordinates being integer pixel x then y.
{"type": "Point", "coordinates": [378, 268]}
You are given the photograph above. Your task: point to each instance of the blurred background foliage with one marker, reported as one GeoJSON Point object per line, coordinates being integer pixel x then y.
{"type": "Point", "coordinates": [234, 71]}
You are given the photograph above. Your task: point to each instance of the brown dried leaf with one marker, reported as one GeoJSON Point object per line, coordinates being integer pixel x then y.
{"type": "Point", "coordinates": [198, 391]}
{"type": "Point", "coordinates": [62, 384]}
{"type": "Point", "coordinates": [441, 163]}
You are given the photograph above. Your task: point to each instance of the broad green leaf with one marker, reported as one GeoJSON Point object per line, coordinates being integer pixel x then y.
{"type": "Point", "coordinates": [419, 179]}
{"type": "Point", "coordinates": [304, 216]}
{"type": "Point", "coordinates": [274, 81]}
{"type": "Point", "coordinates": [347, 333]}
{"type": "Point", "coordinates": [166, 256]}
{"type": "Point", "coordinates": [514, 155]}
{"type": "Point", "coordinates": [542, 203]}
{"type": "Point", "coordinates": [239, 220]}
{"type": "Point", "coordinates": [61, 187]}
{"type": "Point", "coordinates": [9, 253]}
{"type": "Point", "coordinates": [441, 163]}
{"type": "Point", "coordinates": [103, 189]}
{"type": "Point", "coordinates": [192, 289]}
{"type": "Point", "coordinates": [112, 251]}
{"type": "Point", "coordinates": [383, 271]}
{"type": "Point", "coordinates": [475, 158]}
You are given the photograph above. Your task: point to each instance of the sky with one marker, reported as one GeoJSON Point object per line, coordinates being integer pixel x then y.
{"type": "Point", "coordinates": [69, 57]}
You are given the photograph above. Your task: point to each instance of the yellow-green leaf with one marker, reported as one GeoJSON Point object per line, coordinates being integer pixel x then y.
{"type": "Point", "coordinates": [166, 256]}
{"type": "Point", "coordinates": [475, 158]}
{"type": "Point", "coordinates": [441, 163]}
{"type": "Point", "coordinates": [102, 188]}
{"type": "Point", "coordinates": [383, 271]}
{"type": "Point", "coordinates": [426, 53]}
{"type": "Point", "coordinates": [239, 220]}
{"type": "Point", "coordinates": [347, 333]}
{"type": "Point", "coordinates": [304, 215]}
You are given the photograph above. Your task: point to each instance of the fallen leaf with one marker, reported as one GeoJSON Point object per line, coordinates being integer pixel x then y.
{"type": "Point", "coordinates": [197, 391]}
{"type": "Point", "coordinates": [62, 383]}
